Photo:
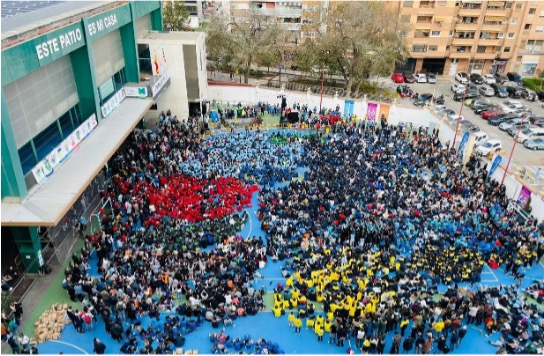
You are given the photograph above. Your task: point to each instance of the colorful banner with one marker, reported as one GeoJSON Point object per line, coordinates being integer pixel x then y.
{"type": "Point", "coordinates": [136, 92]}
{"type": "Point", "coordinates": [158, 61]}
{"type": "Point", "coordinates": [113, 103]}
{"type": "Point", "coordinates": [37, 171]}
{"type": "Point", "coordinates": [524, 196]}
{"type": "Point", "coordinates": [348, 107]}
{"type": "Point", "coordinates": [384, 111]}
{"type": "Point", "coordinates": [371, 111]}
{"type": "Point", "coordinates": [463, 142]}
{"type": "Point", "coordinates": [496, 161]}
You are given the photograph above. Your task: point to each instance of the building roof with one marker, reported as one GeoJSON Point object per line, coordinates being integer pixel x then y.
{"type": "Point", "coordinates": [13, 8]}
{"type": "Point", "coordinates": [50, 201]}
{"type": "Point", "coordinates": [44, 14]}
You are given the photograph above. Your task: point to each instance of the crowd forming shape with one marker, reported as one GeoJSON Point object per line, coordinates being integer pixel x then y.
{"type": "Point", "coordinates": [374, 220]}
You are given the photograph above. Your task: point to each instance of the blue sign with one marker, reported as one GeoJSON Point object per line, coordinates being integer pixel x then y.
{"type": "Point", "coordinates": [464, 141]}
{"type": "Point", "coordinates": [494, 165]}
{"type": "Point", "coordinates": [348, 107]}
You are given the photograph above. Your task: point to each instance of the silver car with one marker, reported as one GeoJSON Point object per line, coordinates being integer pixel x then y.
{"type": "Point", "coordinates": [536, 144]}
{"type": "Point", "coordinates": [486, 91]}
{"type": "Point", "coordinates": [508, 124]}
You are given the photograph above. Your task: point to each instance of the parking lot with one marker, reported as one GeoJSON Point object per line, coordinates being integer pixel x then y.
{"type": "Point", "coordinates": [531, 160]}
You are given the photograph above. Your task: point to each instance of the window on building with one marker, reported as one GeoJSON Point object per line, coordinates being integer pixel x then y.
{"type": "Point", "coordinates": [47, 140]}
{"type": "Point", "coordinates": [408, 4]}
{"type": "Point", "coordinates": [421, 33]}
{"type": "Point", "coordinates": [506, 49]}
{"type": "Point", "coordinates": [539, 29]}
{"type": "Point", "coordinates": [480, 49]}
{"type": "Point", "coordinates": [435, 34]}
{"type": "Point", "coordinates": [532, 11]}
{"type": "Point", "coordinates": [508, 5]}
{"type": "Point", "coordinates": [405, 18]}
{"type": "Point", "coordinates": [527, 26]}
{"type": "Point", "coordinates": [441, 3]}
{"type": "Point", "coordinates": [541, 13]}
{"type": "Point", "coordinates": [27, 157]}
{"type": "Point", "coordinates": [534, 45]}
{"type": "Point", "coordinates": [433, 48]}
{"type": "Point", "coordinates": [511, 35]}
{"type": "Point", "coordinates": [519, 5]}
{"type": "Point", "coordinates": [452, 33]}
{"type": "Point", "coordinates": [107, 89]}
{"type": "Point", "coordinates": [500, 35]}
{"type": "Point", "coordinates": [419, 48]}
{"type": "Point", "coordinates": [448, 47]}
{"type": "Point", "coordinates": [497, 48]}
{"type": "Point", "coordinates": [514, 21]}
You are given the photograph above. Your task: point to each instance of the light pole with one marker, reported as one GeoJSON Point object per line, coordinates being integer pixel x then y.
{"type": "Point", "coordinates": [460, 113]}
{"type": "Point", "coordinates": [322, 78]}
{"type": "Point", "coordinates": [513, 148]}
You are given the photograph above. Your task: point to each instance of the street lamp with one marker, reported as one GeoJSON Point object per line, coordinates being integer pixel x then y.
{"type": "Point", "coordinates": [322, 77]}
{"type": "Point", "coordinates": [513, 148]}
{"type": "Point", "coordinates": [460, 113]}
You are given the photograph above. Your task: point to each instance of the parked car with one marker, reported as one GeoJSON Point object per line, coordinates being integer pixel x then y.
{"type": "Point", "coordinates": [528, 94]}
{"type": "Point", "coordinates": [513, 76]}
{"type": "Point", "coordinates": [420, 78]}
{"type": "Point", "coordinates": [446, 112]}
{"type": "Point", "coordinates": [423, 99]}
{"type": "Point", "coordinates": [397, 78]}
{"type": "Point", "coordinates": [540, 95]}
{"type": "Point", "coordinates": [500, 91]}
{"type": "Point", "coordinates": [514, 91]}
{"type": "Point", "coordinates": [489, 79]}
{"type": "Point", "coordinates": [467, 126]}
{"type": "Point", "coordinates": [481, 105]}
{"type": "Point", "coordinates": [408, 77]}
{"type": "Point", "coordinates": [458, 88]}
{"type": "Point", "coordinates": [506, 108]}
{"type": "Point", "coordinates": [462, 77]}
{"type": "Point", "coordinates": [500, 78]}
{"type": "Point", "coordinates": [489, 147]}
{"type": "Point", "coordinates": [508, 124]}
{"type": "Point", "coordinates": [536, 144]}
{"type": "Point", "coordinates": [536, 120]}
{"type": "Point", "coordinates": [476, 78]}
{"type": "Point", "coordinates": [431, 78]}
{"type": "Point", "coordinates": [471, 93]}
{"type": "Point", "coordinates": [486, 90]}
{"type": "Point", "coordinates": [516, 106]}
{"type": "Point", "coordinates": [499, 119]}
{"type": "Point", "coordinates": [480, 138]}
{"type": "Point", "coordinates": [486, 115]}
{"type": "Point", "coordinates": [513, 130]}
{"type": "Point", "coordinates": [455, 117]}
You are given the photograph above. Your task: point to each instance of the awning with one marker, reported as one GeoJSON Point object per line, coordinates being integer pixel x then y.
{"type": "Point", "coordinates": [495, 3]}
{"type": "Point", "coordinates": [49, 202]}
{"type": "Point", "coordinates": [495, 18]}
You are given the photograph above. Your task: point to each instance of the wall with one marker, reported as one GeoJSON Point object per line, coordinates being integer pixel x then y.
{"type": "Point", "coordinates": [398, 113]}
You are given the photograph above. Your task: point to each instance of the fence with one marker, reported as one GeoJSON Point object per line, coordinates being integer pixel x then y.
{"type": "Point", "coordinates": [65, 235]}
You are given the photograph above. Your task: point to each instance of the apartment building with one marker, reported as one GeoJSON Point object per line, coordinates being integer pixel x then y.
{"type": "Point", "coordinates": [446, 37]}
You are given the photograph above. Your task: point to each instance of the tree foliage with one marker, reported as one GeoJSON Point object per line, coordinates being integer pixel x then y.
{"type": "Point", "coordinates": [359, 39]}
{"type": "Point", "coordinates": [174, 16]}
{"type": "Point", "coordinates": [237, 46]}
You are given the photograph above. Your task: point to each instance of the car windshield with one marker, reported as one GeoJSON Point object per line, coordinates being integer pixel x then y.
{"type": "Point", "coordinates": [526, 131]}
{"type": "Point", "coordinates": [501, 89]}
{"type": "Point", "coordinates": [487, 145]}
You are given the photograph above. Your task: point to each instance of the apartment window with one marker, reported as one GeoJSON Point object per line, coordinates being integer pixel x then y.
{"type": "Point", "coordinates": [539, 29]}
{"type": "Point", "coordinates": [402, 34]}
{"type": "Point", "coordinates": [425, 4]}
{"type": "Point", "coordinates": [519, 5]}
{"type": "Point", "coordinates": [508, 5]}
{"type": "Point", "coordinates": [532, 11]}
{"type": "Point", "coordinates": [534, 45]}
{"type": "Point", "coordinates": [405, 18]}
{"type": "Point", "coordinates": [424, 19]}
{"type": "Point", "coordinates": [506, 49]}
{"type": "Point", "coordinates": [514, 21]}
{"type": "Point", "coordinates": [471, 6]}
{"type": "Point", "coordinates": [419, 48]}
{"type": "Point", "coordinates": [433, 48]}
{"type": "Point", "coordinates": [462, 49]}
{"type": "Point", "coordinates": [452, 33]}
{"type": "Point", "coordinates": [500, 35]}
{"type": "Point", "coordinates": [480, 49]}
{"type": "Point", "coordinates": [441, 3]}
{"type": "Point", "coordinates": [448, 47]}
{"type": "Point", "coordinates": [541, 13]}
{"type": "Point", "coordinates": [408, 4]}
{"type": "Point", "coordinates": [435, 34]}
{"type": "Point", "coordinates": [421, 33]}
{"type": "Point", "coordinates": [527, 26]}
{"type": "Point", "coordinates": [511, 35]}
{"type": "Point", "coordinates": [497, 48]}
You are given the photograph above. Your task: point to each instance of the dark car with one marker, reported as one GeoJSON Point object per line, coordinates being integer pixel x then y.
{"type": "Point", "coordinates": [499, 119]}
{"type": "Point", "coordinates": [472, 93]}
{"type": "Point", "coordinates": [408, 77]}
{"type": "Point", "coordinates": [476, 78]}
{"type": "Point", "coordinates": [500, 91]}
{"type": "Point", "coordinates": [499, 77]}
{"type": "Point", "coordinates": [528, 95]}
{"type": "Point", "coordinates": [481, 105]}
{"type": "Point", "coordinates": [423, 99]}
{"type": "Point", "coordinates": [515, 77]}
{"type": "Point", "coordinates": [514, 92]}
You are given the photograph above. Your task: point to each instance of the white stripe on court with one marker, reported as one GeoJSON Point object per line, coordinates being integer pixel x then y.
{"type": "Point", "coordinates": [72, 345]}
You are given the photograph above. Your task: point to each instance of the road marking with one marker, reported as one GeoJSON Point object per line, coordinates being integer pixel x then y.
{"type": "Point", "coordinates": [72, 345]}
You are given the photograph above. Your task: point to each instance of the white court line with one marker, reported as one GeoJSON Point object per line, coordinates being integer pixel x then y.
{"type": "Point", "coordinates": [72, 345]}
{"type": "Point", "coordinates": [491, 271]}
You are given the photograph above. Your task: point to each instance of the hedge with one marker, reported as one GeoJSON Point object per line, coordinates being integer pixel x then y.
{"type": "Point", "coordinates": [535, 84]}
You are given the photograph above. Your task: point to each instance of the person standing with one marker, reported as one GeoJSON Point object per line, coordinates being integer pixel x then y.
{"type": "Point", "coordinates": [12, 342]}
{"type": "Point", "coordinates": [99, 347]}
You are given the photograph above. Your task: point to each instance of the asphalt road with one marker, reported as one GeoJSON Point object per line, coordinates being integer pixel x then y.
{"type": "Point", "coordinates": [522, 157]}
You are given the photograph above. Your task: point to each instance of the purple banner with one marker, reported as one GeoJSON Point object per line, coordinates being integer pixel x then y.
{"type": "Point", "coordinates": [524, 196]}
{"type": "Point", "coordinates": [371, 111]}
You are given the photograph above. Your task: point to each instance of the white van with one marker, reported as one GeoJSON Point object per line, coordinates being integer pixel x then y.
{"type": "Point", "coordinates": [420, 78]}
{"type": "Point", "coordinates": [480, 137]}
{"type": "Point", "coordinates": [530, 134]}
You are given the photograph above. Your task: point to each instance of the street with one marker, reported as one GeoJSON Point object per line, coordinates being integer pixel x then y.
{"type": "Point", "coordinates": [531, 160]}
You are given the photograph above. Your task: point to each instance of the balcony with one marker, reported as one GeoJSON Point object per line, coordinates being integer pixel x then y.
{"type": "Point", "coordinates": [531, 51]}
{"type": "Point", "coordinates": [470, 12]}
{"type": "Point", "coordinates": [466, 26]}
{"type": "Point", "coordinates": [290, 26]}
{"type": "Point", "coordinates": [426, 4]}
{"type": "Point", "coordinates": [460, 52]}
{"type": "Point", "coordinates": [485, 55]}
{"type": "Point", "coordinates": [421, 34]}
{"type": "Point", "coordinates": [489, 42]}
{"type": "Point", "coordinates": [494, 27]}
{"type": "Point", "coordinates": [463, 41]}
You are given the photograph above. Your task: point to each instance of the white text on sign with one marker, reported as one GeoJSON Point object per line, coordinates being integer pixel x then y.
{"type": "Point", "coordinates": [101, 24]}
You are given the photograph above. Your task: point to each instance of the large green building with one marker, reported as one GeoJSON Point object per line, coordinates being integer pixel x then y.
{"type": "Point", "coordinates": [72, 91]}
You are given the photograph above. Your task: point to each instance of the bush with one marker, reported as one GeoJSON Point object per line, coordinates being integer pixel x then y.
{"type": "Point", "coordinates": [368, 88]}
{"type": "Point", "coordinates": [535, 84]}
{"type": "Point", "coordinates": [255, 73]}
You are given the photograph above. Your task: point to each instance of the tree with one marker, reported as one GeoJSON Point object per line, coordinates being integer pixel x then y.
{"type": "Point", "coordinates": [361, 40]}
{"type": "Point", "coordinates": [174, 16]}
{"type": "Point", "coordinates": [240, 45]}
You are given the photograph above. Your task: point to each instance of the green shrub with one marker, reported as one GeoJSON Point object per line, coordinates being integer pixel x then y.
{"type": "Point", "coordinates": [535, 84]}
{"type": "Point", "coordinates": [368, 88]}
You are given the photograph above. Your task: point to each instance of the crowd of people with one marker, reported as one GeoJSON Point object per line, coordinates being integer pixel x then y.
{"type": "Point", "coordinates": [387, 230]}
